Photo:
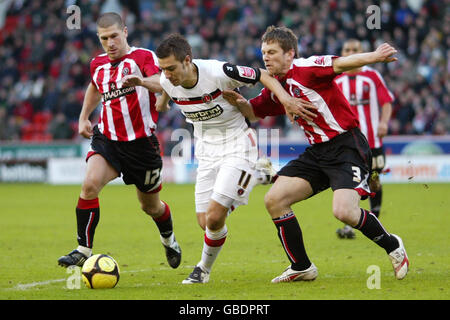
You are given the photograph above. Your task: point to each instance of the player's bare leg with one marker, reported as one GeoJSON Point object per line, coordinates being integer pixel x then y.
{"type": "Point", "coordinates": [284, 193]}
{"type": "Point", "coordinates": [347, 231]}
{"type": "Point", "coordinates": [346, 209]}
{"type": "Point", "coordinates": [201, 219]}
{"type": "Point", "coordinates": [201, 216]}
{"type": "Point", "coordinates": [159, 211]}
{"type": "Point", "coordinates": [346, 206]}
{"type": "Point", "coordinates": [98, 173]}
{"type": "Point", "coordinates": [215, 235]}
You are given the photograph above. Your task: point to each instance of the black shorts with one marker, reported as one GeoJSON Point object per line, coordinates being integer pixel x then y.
{"type": "Point", "coordinates": [378, 159]}
{"type": "Point", "coordinates": [138, 161]}
{"type": "Point", "coordinates": [344, 162]}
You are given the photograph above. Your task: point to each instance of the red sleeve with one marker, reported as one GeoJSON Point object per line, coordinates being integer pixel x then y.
{"type": "Point", "coordinates": [316, 71]}
{"type": "Point", "coordinates": [150, 66]}
{"type": "Point", "coordinates": [264, 105]}
{"type": "Point", "coordinates": [92, 68]}
{"type": "Point", "coordinates": [383, 93]}
{"type": "Point", "coordinates": [323, 67]}
{"type": "Point", "coordinates": [146, 61]}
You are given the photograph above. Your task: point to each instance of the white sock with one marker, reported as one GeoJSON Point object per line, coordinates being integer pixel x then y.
{"type": "Point", "coordinates": [211, 247]}
{"type": "Point", "coordinates": [168, 241]}
{"type": "Point", "coordinates": [85, 250]}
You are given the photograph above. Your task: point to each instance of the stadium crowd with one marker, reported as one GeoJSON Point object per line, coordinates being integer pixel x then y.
{"type": "Point", "coordinates": [45, 64]}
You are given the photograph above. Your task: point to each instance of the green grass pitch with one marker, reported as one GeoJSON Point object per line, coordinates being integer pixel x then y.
{"type": "Point", "coordinates": [38, 226]}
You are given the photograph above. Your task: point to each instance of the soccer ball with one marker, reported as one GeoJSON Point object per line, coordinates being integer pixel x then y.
{"type": "Point", "coordinates": [100, 271]}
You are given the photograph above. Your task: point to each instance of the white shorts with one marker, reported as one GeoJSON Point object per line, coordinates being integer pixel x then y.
{"type": "Point", "coordinates": [231, 175]}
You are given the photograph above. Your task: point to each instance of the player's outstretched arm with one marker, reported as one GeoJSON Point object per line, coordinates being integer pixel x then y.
{"type": "Point", "coordinates": [384, 53]}
{"type": "Point", "coordinates": [91, 101]}
{"type": "Point", "coordinates": [151, 83]}
{"type": "Point", "coordinates": [162, 102]}
{"type": "Point", "coordinates": [241, 103]}
{"type": "Point", "coordinates": [295, 107]}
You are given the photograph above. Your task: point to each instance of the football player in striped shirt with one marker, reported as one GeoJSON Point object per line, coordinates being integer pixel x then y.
{"type": "Point", "coordinates": [368, 95]}
{"type": "Point", "coordinates": [123, 143]}
{"type": "Point", "coordinates": [339, 156]}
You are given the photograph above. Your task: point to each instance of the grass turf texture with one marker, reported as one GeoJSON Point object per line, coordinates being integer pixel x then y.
{"type": "Point", "coordinates": [38, 225]}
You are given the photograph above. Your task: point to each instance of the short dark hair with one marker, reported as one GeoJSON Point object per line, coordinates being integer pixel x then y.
{"type": "Point", "coordinates": [284, 36]}
{"type": "Point", "coordinates": [352, 40]}
{"type": "Point", "coordinates": [176, 45]}
{"type": "Point", "coordinates": [109, 19]}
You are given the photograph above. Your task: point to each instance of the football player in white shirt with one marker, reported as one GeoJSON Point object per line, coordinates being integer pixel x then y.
{"type": "Point", "coordinates": [226, 148]}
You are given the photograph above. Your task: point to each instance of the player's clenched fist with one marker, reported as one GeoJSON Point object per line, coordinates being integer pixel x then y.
{"type": "Point", "coordinates": [385, 53]}
{"type": "Point", "coordinates": [85, 128]}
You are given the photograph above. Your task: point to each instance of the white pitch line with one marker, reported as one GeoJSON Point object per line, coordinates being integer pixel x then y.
{"type": "Point", "coordinates": [26, 286]}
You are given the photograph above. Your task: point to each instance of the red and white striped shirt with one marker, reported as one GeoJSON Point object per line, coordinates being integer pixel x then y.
{"type": "Point", "coordinates": [367, 93]}
{"type": "Point", "coordinates": [312, 79]}
{"type": "Point", "coordinates": [127, 113]}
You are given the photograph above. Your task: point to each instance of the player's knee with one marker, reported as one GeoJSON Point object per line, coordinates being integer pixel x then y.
{"type": "Point", "coordinates": [339, 212]}
{"type": "Point", "coordinates": [152, 209]}
{"type": "Point", "coordinates": [345, 214]}
{"type": "Point", "coordinates": [272, 203]}
{"type": "Point", "coordinates": [214, 221]}
{"type": "Point", "coordinates": [90, 189]}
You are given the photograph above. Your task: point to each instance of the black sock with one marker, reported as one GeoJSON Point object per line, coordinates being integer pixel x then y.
{"type": "Point", "coordinates": [371, 227]}
{"type": "Point", "coordinates": [291, 239]}
{"type": "Point", "coordinates": [164, 222]}
{"type": "Point", "coordinates": [88, 215]}
{"type": "Point", "coordinates": [375, 203]}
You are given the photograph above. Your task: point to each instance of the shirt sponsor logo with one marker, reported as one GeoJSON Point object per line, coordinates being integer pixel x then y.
{"type": "Point", "coordinates": [117, 93]}
{"type": "Point", "coordinates": [246, 72]}
{"type": "Point", "coordinates": [353, 101]}
{"type": "Point", "coordinates": [204, 115]}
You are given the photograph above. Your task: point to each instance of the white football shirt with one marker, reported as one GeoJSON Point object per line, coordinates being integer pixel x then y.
{"type": "Point", "coordinates": [215, 120]}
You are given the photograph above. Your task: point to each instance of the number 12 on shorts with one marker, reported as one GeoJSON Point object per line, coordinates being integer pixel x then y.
{"type": "Point", "coordinates": [151, 176]}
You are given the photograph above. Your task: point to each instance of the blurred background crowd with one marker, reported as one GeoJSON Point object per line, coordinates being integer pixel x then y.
{"type": "Point", "coordinates": [44, 65]}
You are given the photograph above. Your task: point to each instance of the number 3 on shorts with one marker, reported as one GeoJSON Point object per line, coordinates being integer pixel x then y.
{"type": "Point", "coordinates": [151, 176]}
{"type": "Point", "coordinates": [356, 174]}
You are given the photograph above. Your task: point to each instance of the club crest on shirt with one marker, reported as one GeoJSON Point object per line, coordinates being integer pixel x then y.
{"type": "Point", "coordinates": [207, 98]}
{"type": "Point", "coordinates": [320, 60]}
{"type": "Point", "coordinates": [125, 71]}
{"type": "Point", "coordinates": [246, 72]}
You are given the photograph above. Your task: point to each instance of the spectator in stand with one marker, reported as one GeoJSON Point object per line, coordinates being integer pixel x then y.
{"type": "Point", "coordinates": [59, 128]}
{"type": "Point", "coordinates": [3, 123]}
{"type": "Point", "coordinates": [36, 44]}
